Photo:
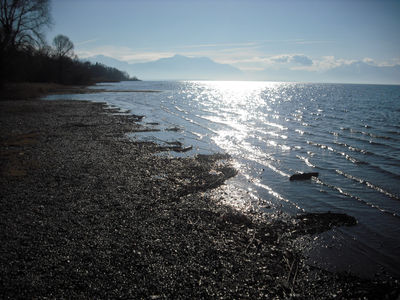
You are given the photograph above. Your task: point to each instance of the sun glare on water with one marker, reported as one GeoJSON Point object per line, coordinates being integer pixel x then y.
{"type": "Point", "coordinates": [239, 105]}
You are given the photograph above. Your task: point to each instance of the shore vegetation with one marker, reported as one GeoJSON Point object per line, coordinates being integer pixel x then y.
{"type": "Point", "coordinates": [26, 57]}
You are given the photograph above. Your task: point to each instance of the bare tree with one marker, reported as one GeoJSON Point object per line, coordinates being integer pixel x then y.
{"type": "Point", "coordinates": [63, 51]}
{"type": "Point", "coordinates": [63, 47]}
{"type": "Point", "coordinates": [22, 23]}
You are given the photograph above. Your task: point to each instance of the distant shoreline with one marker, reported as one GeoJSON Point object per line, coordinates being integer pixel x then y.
{"type": "Point", "coordinates": [29, 90]}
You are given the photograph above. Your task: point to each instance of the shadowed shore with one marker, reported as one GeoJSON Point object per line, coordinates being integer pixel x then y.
{"type": "Point", "coordinates": [87, 213]}
{"type": "Point", "coordinates": [24, 91]}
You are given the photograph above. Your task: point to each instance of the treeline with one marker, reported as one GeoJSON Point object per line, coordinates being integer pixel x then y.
{"type": "Point", "coordinates": [26, 57]}
{"type": "Point", "coordinates": [43, 66]}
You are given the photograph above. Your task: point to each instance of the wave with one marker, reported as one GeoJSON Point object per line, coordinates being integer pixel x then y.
{"type": "Point", "coordinates": [369, 185]}
{"type": "Point", "coordinates": [374, 143]}
{"type": "Point", "coordinates": [306, 160]}
{"type": "Point", "coordinates": [378, 168]}
{"type": "Point", "coordinates": [372, 135]}
{"type": "Point", "coordinates": [278, 196]}
{"type": "Point", "coordinates": [345, 155]}
{"type": "Point", "coordinates": [342, 192]}
{"type": "Point", "coordinates": [366, 152]}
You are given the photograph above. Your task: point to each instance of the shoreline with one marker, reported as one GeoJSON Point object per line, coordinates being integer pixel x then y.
{"type": "Point", "coordinates": [86, 213]}
{"type": "Point", "coordinates": [32, 91]}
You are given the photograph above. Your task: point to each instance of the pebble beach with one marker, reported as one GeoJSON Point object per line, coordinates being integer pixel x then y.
{"type": "Point", "coordinates": [86, 212]}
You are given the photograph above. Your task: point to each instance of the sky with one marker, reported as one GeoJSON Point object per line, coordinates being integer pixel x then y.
{"type": "Point", "coordinates": [252, 35]}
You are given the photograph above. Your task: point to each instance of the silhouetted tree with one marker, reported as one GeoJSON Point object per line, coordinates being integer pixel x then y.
{"type": "Point", "coordinates": [63, 47]}
{"type": "Point", "coordinates": [21, 27]}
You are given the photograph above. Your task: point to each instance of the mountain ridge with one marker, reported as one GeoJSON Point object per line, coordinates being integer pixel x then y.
{"type": "Point", "coordinates": [180, 67]}
{"type": "Point", "coordinates": [177, 67]}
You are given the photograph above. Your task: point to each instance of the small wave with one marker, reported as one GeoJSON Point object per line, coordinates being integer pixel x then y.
{"type": "Point", "coordinates": [355, 149]}
{"type": "Point", "coordinates": [277, 195]}
{"type": "Point", "coordinates": [276, 170]}
{"type": "Point", "coordinates": [372, 135]}
{"type": "Point", "coordinates": [305, 159]}
{"type": "Point", "coordinates": [180, 109]}
{"type": "Point", "coordinates": [345, 155]}
{"type": "Point", "coordinates": [369, 142]}
{"type": "Point", "coordinates": [275, 144]}
{"type": "Point", "coordinates": [274, 134]}
{"type": "Point", "coordinates": [302, 132]}
{"type": "Point", "coordinates": [276, 125]}
{"type": "Point", "coordinates": [342, 192]}
{"type": "Point", "coordinates": [334, 133]}
{"type": "Point", "coordinates": [308, 124]}
{"type": "Point", "coordinates": [354, 160]}
{"type": "Point", "coordinates": [393, 132]}
{"type": "Point", "coordinates": [256, 157]}
{"type": "Point", "coordinates": [200, 125]}
{"type": "Point", "coordinates": [369, 184]}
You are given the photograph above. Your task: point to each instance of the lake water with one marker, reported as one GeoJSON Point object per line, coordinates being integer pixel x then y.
{"type": "Point", "coordinates": [350, 134]}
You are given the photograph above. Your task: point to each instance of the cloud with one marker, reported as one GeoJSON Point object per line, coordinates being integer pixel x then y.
{"type": "Point", "coordinates": [218, 45]}
{"type": "Point", "coordinates": [281, 58]}
{"type": "Point", "coordinates": [124, 53]}
{"type": "Point", "coordinates": [369, 61]}
{"type": "Point", "coordinates": [86, 42]}
{"type": "Point", "coordinates": [302, 60]}
{"type": "Point", "coordinates": [292, 58]}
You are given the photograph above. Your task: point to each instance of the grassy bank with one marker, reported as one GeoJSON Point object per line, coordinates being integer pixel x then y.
{"type": "Point", "coordinates": [30, 90]}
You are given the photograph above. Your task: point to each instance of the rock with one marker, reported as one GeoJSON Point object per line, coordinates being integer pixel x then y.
{"type": "Point", "coordinates": [173, 129]}
{"type": "Point", "coordinates": [182, 149]}
{"type": "Point", "coordinates": [312, 223]}
{"type": "Point", "coordinates": [303, 176]}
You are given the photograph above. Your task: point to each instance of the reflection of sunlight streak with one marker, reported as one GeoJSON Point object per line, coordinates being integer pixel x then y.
{"type": "Point", "coordinates": [234, 92]}
{"type": "Point", "coordinates": [228, 122]}
{"type": "Point", "coordinates": [235, 105]}
{"type": "Point", "coordinates": [260, 158]}
{"type": "Point", "coordinates": [305, 159]}
{"type": "Point", "coordinates": [276, 135]}
{"type": "Point", "coordinates": [277, 195]}
{"type": "Point", "coordinates": [276, 170]}
{"type": "Point", "coordinates": [276, 125]}
{"type": "Point", "coordinates": [299, 131]}
{"type": "Point", "coordinates": [275, 144]}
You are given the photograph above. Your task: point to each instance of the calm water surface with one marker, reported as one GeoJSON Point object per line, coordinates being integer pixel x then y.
{"type": "Point", "coordinates": [350, 134]}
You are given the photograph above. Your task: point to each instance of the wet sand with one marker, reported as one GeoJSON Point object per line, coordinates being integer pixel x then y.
{"type": "Point", "coordinates": [86, 212]}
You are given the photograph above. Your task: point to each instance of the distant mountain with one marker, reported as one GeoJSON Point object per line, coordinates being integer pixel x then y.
{"type": "Point", "coordinates": [356, 72]}
{"type": "Point", "coordinates": [109, 61]}
{"type": "Point", "coordinates": [186, 68]}
{"type": "Point", "coordinates": [362, 72]}
{"type": "Point", "coordinates": [177, 67]}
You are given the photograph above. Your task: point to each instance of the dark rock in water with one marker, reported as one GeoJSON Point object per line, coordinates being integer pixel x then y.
{"type": "Point", "coordinates": [182, 149]}
{"type": "Point", "coordinates": [136, 118]}
{"type": "Point", "coordinates": [303, 176]}
{"type": "Point", "coordinates": [175, 143]}
{"type": "Point", "coordinates": [312, 223]}
{"type": "Point", "coordinates": [173, 129]}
